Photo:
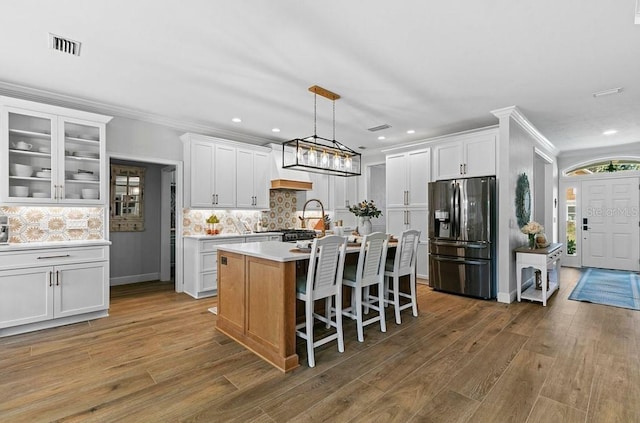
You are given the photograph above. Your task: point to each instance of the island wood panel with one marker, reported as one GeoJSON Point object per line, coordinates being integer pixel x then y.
{"type": "Point", "coordinates": [231, 292]}
{"type": "Point", "coordinates": [256, 306]}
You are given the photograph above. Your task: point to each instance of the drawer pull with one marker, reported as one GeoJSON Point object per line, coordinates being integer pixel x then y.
{"type": "Point", "coordinates": [50, 257]}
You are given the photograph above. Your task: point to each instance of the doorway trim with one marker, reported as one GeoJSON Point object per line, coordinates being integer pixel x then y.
{"type": "Point", "coordinates": [178, 280]}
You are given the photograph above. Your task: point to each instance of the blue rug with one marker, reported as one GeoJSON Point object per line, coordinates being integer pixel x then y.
{"type": "Point", "coordinates": [609, 287]}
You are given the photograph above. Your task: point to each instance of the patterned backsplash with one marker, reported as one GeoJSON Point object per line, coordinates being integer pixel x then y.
{"type": "Point", "coordinates": [49, 224]}
{"type": "Point", "coordinates": [282, 214]}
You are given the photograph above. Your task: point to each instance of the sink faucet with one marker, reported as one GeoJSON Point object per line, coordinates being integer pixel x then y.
{"type": "Point", "coordinates": [304, 219]}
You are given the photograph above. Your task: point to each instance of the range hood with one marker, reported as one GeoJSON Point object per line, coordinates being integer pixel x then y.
{"type": "Point", "coordinates": [286, 178]}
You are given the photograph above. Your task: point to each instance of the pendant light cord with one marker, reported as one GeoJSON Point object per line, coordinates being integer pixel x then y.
{"type": "Point", "coordinates": [334, 119]}
{"type": "Point", "coordinates": [315, 112]}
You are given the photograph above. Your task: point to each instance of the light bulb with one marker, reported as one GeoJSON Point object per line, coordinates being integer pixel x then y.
{"type": "Point", "coordinates": [324, 158]}
{"type": "Point", "coordinates": [336, 161]}
{"type": "Point", "coordinates": [313, 159]}
{"type": "Point", "coordinates": [347, 162]}
{"type": "Point", "coordinates": [300, 155]}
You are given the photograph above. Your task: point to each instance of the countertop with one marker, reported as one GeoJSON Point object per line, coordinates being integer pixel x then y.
{"type": "Point", "coordinates": [23, 246]}
{"type": "Point", "coordinates": [232, 235]}
{"type": "Point", "coordinates": [270, 250]}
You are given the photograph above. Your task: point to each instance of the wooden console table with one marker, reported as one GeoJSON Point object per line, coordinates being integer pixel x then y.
{"type": "Point", "coordinates": [543, 259]}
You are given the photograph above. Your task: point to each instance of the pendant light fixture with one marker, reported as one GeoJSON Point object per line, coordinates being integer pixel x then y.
{"type": "Point", "coordinates": [317, 154]}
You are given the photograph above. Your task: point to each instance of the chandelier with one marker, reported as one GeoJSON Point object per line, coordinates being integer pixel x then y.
{"type": "Point", "coordinates": [317, 154]}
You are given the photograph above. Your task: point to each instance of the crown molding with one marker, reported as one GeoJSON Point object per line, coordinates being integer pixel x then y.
{"type": "Point", "coordinates": [515, 113]}
{"type": "Point", "coordinates": [62, 100]}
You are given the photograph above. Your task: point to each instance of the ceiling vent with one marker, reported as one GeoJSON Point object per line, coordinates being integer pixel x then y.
{"type": "Point", "coordinates": [64, 45]}
{"type": "Point", "coordinates": [379, 128]}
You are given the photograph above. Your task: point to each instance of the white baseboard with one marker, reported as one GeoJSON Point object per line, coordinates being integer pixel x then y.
{"type": "Point", "coordinates": [124, 280]}
{"type": "Point", "coordinates": [506, 297]}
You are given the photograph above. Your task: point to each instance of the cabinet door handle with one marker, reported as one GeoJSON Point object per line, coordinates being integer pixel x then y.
{"type": "Point", "coordinates": [50, 278]}
{"type": "Point", "coordinates": [465, 168]}
{"type": "Point", "coordinates": [346, 203]}
{"type": "Point", "coordinates": [61, 192]}
{"type": "Point", "coordinates": [408, 218]}
{"type": "Point", "coordinates": [50, 257]}
{"type": "Point", "coordinates": [57, 278]}
{"type": "Point", "coordinates": [55, 192]}
{"type": "Point", "coordinates": [216, 199]}
{"type": "Point", "coordinates": [461, 169]}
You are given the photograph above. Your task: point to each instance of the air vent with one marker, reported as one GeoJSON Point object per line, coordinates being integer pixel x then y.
{"type": "Point", "coordinates": [64, 45]}
{"type": "Point", "coordinates": [379, 128]}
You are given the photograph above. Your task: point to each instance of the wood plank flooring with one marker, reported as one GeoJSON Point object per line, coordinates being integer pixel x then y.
{"type": "Point", "coordinates": [158, 358]}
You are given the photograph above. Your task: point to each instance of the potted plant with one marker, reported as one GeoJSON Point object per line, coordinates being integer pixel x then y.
{"type": "Point", "coordinates": [532, 229]}
{"type": "Point", "coordinates": [365, 210]}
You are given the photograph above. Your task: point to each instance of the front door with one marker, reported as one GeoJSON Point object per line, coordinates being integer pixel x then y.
{"type": "Point", "coordinates": [610, 224]}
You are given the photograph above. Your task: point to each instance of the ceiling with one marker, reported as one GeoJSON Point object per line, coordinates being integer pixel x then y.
{"type": "Point", "coordinates": [434, 67]}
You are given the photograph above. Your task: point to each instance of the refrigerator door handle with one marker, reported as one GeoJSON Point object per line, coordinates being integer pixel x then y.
{"type": "Point", "coordinates": [458, 260]}
{"type": "Point", "coordinates": [456, 210]}
{"type": "Point", "coordinates": [478, 244]}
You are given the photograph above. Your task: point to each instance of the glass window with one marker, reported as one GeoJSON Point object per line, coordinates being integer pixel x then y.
{"type": "Point", "coordinates": [570, 197]}
{"type": "Point", "coordinates": [607, 166]}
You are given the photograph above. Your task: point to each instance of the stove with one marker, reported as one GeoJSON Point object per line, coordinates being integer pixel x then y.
{"type": "Point", "coordinates": [292, 235]}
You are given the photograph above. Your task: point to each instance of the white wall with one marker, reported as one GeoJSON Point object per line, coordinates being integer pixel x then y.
{"type": "Point", "coordinates": [137, 138]}
{"type": "Point", "coordinates": [516, 155]}
{"type": "Point", "coordinates": [135, 256]}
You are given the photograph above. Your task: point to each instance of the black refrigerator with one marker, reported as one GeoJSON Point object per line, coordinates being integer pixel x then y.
{"type": "Point", "coordinates": [462, 236]}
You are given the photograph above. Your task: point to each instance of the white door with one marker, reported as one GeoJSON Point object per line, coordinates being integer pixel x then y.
{"type": "Point", "coordinates": [610, 232]}
{"type": "Point", "coordinates": [201, 186]}
{"type": "Point", "coordinates": [419, 175]}
{"type": "Point", "coordinates": [448, 160]}
{"type": "Point", "coordinates": [396, 169]}
{"type": "Point", "coordinates": [26, 296]}
{"type": "Point", "coordinates": [261, 178]}
{"type": "Point", "coordinates": [224, 175]}
{"type": "Point", "coordinates": [244, 178]}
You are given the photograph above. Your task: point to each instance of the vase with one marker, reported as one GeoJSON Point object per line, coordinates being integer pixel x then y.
{"type": "Point", "coordinates": [364, 225]}
{"type": "Point", "coordinates": [532, 241]}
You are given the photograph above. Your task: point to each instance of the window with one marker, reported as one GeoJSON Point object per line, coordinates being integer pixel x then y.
{"type": "Point", "coordinates": [127, 198]}
{"type": "Point", "coordinates": [607, 166]}
{"type": "Point", "coordinates": [570, 197]}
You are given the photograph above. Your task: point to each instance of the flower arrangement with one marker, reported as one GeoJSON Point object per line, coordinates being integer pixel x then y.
{"type": "Point", "coordinates": [532, 229]}
{"type": "Point", "coordinates": [365, 208]}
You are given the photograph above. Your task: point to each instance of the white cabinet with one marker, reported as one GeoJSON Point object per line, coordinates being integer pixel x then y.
{"type": "Point", "coordinates": [407, 177]}
{"type": "Point", "coordinates": [52, 287]}
{"type": "Point", "coordinates": [211, 175]}
{"type": "Point", "coordinates": [320, 191]}
{"type": "Point", "coordinates": [252, 173]}
{"type": "Point", "coordinates": [201, 262]}
{"type": "Point", "coordinates": [223, 174]}
{"type": "Point", "coordinates": [345, 192]}
{"type": "Point", "coordinates": [53, 154]}
{"type": "Point", "coordinates": [466, 156]}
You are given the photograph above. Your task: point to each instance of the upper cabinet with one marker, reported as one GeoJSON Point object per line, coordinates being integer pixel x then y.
{"type": "Point", "coordinates": [224, 174]}
{"type": "Point", "coordinates": [407, 177]}
{"type": "Point", "coordinates": [345, 192]}
{"type": "Point", "coordinates": [53, 154]}
{"type": "Point", "coordinates": [252, 173]}
{"type": "Point", "coordinates": [466, 156]}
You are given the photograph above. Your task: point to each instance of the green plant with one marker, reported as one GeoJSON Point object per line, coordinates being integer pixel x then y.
{"type": "Point", "coordinates": [365, 208]}
{"type": "Point", "coordinates": [571, 247]}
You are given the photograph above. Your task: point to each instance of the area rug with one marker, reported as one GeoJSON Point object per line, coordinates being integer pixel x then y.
{"type": "Point", "coordinates": [609, 287]}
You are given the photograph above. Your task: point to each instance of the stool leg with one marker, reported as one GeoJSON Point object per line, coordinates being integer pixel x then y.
{"type": "Point", "coordinates": [358, 313]}
{"type": "Point", "coordinates": [414, 302]}
{"type": "Point", "coordinates": [339, 321]}
{"type": "Point", "coordinates": [309, 327]}
{"type": "Point", "coordinates": [396, 297]}
{"type": "Point", "coordinates": [381, 304]}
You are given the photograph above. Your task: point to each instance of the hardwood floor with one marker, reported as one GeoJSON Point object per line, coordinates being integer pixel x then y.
{"type": "Point", "coordinates": [159, 358]}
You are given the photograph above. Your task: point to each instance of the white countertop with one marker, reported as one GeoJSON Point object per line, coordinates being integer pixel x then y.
{"type": "Point", "coordinates": [232, 235]}
{"type": "Point", "coordinates": [22, 246]}
{"type": "Point", "coordinates": [270, 250]}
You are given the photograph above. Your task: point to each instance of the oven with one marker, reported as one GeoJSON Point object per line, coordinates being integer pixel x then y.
{"type": "Point", "coordinates": [295, 235]}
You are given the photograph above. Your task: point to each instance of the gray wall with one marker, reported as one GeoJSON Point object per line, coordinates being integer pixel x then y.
{"type": "Point", "coordinates": [135, 256]}
{"type": "Point", "coordinates": [138, 138]}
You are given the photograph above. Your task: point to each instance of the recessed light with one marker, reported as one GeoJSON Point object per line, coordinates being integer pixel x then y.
{"type": "Point", "coordinates": [609, 132]}
{"type": "Point", "coordinates": [381, 137]}
{"type": "Point", "coordinates": [608, 92]}
{"type": "Point", "coordinates": [275, 130]}
{"type": "Point", "coordinates": [236, 120]}
{"type": "Point", "coordinates": [411, 131]}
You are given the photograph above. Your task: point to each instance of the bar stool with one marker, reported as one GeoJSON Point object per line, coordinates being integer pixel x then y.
{"type": "Point", "coordinates": [368, 272]}
{"type": "Point", "coordinates": [404, 263]}
{"type": "Point", "coordinates": [323, 281]}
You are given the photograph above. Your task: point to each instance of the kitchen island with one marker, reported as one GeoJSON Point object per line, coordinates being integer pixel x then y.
{"type": "Point", "coordinates": [257, 298]}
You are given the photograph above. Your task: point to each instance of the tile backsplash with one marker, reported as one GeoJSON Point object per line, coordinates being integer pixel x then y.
{"type": "Point", "coordinates": [49, 224]}
{"type": "Point", "coordinates": [281, 214]}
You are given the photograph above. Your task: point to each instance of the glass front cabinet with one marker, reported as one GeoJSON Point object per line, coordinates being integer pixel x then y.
{"type": "Point", "coordinates": [53, 154]}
